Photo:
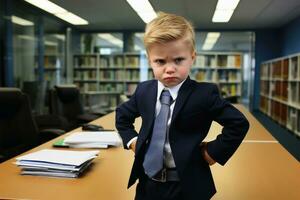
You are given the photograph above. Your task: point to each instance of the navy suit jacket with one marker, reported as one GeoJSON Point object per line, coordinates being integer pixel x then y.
{"type": "Point", "coordinates": [197, 105]}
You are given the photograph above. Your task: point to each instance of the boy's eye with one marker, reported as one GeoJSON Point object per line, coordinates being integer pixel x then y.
{"type": "Point", "coordinates": [160, 61]}
{"type": "Point", "coordinates": [179, 60]}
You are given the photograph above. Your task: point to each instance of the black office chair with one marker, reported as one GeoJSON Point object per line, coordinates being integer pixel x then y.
{"type": "Point", "coordinates": [37, 95]}
{"type": "Point", "coordinates": [65, 101]}
{"type": "Point", "coordinates": [31, 89]}
{"type": "Point", "coordinates": [18, 130]}
{"type": "Point", "coordinates": [232, 99]}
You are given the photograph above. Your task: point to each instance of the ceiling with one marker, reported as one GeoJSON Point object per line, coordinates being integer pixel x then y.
{"type": "Point", "coordinates": [117, 15]}
{"type": "Point", "coordinates": [113, 15]}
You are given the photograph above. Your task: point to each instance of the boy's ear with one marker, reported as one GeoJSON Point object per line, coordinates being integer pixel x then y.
{"type": "Point", "coordinates": [194, 54]}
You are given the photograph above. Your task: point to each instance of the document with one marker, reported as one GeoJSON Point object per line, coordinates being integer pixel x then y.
{"type": "Point", "coordinates": [58, 163]}
{"type": "Point", "coordinates": [93, 139]}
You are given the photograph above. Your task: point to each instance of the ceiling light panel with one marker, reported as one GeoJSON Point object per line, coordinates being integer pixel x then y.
{"type": "Point", "coordinates": [58, 11]}
{"type": "Point", "coordinates": [224, 10]}
{"type": "Point", "coordinates": [210, 40]}
{"type": "Point", "coordinates": [227, 4]}
{"type": "Point", "coordinates": [144, 9]}
{"type": "Point", "coordinates": [21, 21]}
{"type": "Point", "coordinates": [47, 6]}
{"type": "Point", "coordinates": [72, 18]}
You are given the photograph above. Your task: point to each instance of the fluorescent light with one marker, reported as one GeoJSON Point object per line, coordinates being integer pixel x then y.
{"type": "Point", "coordinates": [140, 5]}
{"type": "Point", "coordinates": [47, 6]}
{"type": "Point", "coordinates": [207, 47]}
{"type": "Point", "coordinates": [60, 37]}
{"type": "Point", "coordinates": [58, 11]}
{"type": "Point", "coordinates": [105, 51]}
{"type": "Point", "coordinates": [112, 39]}
{"type": "Point", "coordinates": [224, 10]}
{"type": "Point", "coordinates": [72, 18]}
{"type": "Point", "coordinates": [50, 43]}
{"type": "Point", "coordinates": [147, 16]}
{"type": "Point", "coordinates": [21, 21]}
{"type": "Point", "coordinates": [26, 37]}
{"type": "Point", "coordinates": [227, 4]}
{"type": "Point", "coordinates": [213, 36]}
{"type": "Point", "coordinates": [210, 40]}
{"type": "Point", "coordinates": [144, 9]}
{"type": "Point", "coordinates": [222, 15]}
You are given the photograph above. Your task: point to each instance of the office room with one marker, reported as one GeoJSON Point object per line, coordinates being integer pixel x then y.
{"type": "Point", "coordinates": [148, 99]}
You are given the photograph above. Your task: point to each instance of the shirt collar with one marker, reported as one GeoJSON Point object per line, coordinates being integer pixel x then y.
{"type": "Point", "coordinates": [173, 90]}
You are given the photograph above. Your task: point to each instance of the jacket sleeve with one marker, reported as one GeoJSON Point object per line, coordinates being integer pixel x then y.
{"type": "Point", "coordinates": [235, 126]}
{"type": "Point", "coordinates": [126, 114]}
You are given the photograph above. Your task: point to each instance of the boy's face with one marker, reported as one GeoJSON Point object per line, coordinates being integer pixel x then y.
{"type": "Point", "coordinates": [171, 62]}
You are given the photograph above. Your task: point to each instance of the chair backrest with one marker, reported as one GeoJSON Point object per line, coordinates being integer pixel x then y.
{"type": "Point", "coordinates": [18, 131]}
{"type": "Point", "coordinates": [31, 89]}
{"type": "Point", "coordinates": [65, 101]}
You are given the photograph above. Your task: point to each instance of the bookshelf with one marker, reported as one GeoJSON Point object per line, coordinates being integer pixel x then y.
{"type": "Point", "coordinates": [109, 76]}
{"type": "Point", "coordinates": [53, 66]}
{"type": "Point", "coordinates": [119, 74]}
{"type": "Point", "coordinates": [224, 69]}
{"type": "Point", "coordinates": [280, 91]}
{"type": "Point", "coordinates": [86, 72]}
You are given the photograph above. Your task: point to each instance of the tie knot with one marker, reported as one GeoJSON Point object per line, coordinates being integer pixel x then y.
{"type": "Point", "coordinates": [165, 97]}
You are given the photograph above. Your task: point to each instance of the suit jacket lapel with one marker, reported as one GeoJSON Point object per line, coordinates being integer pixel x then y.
{"type": "Point", "coordinates": [183, 94]}
{"type": "Point", "coordinates": [151, 96]}
{"type": "Point", "coordinates": [149, 99]}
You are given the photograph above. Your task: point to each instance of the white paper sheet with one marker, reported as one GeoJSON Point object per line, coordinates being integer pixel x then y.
{"type": "Point", "coordinates": [64, 157]}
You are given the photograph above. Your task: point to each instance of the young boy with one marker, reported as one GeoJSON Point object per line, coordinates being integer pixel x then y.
{"type": "Point", "coordinates": [171, 161]}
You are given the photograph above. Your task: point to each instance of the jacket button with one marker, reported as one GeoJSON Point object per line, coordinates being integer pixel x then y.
{"type": "Point", "coordinates": [147, 141]}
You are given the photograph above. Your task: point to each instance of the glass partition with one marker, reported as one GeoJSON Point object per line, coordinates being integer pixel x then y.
{"type": "Point", "coordinates": [103, 43]}
{"type": "Point", "coordinates": [54, 59]}
{"type": "Point", "coordinates": [24, 53]}
{"type": "Point", "coordinates": [225, 58]}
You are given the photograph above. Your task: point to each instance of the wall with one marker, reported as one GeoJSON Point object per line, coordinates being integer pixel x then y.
{"type": "Point", "coordinates": [290, 37]}
{"type": "Point", "coordinates": [267, 46]}
{"type": "Point", "coordinates": [271, 44]}
{"type": "Point", "coordinates": [1, 44]}
{"type": "Point", "coordinates": [8, 45]}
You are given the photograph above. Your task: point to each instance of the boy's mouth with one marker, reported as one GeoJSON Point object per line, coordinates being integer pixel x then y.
{"type": "Point", "coordinates": [170, 79]}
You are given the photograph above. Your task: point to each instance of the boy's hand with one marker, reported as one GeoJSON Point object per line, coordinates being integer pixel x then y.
{"type": "Point", "coordinates": [205, 155]}
{"type": "Point", "coordinates": [132, 146]}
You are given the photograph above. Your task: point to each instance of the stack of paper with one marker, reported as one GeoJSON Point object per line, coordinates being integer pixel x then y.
{"type": "Point", "coordinates": [94, 139]}
{"type": "Point", "coordinates": [58, 163]}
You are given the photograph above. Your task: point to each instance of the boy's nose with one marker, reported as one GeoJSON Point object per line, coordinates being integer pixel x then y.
{"type": "Point", "coordinates": [170, 68]}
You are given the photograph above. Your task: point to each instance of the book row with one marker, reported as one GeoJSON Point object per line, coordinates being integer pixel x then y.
{"type": "Point", "coordinates": [214, 60]}
{"type": "Point", "coordinates": [280, 91]}
{"type": "Point", "coordinates": [216, 76]}
{"type": "Point", "coordinates": [283, 114]}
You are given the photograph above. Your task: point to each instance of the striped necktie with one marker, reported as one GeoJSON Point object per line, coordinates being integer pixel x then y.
{"type": "Point", "coordinates": [153, 161]}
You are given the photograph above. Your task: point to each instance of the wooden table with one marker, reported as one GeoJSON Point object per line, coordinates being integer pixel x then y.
{"type": "Point", "coordinates": [260, 169]}
{"type": "Point", "coordinates": [107, 178]}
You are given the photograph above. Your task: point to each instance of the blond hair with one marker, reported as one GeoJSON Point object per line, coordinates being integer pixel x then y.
{"type": "Point", "coordinates": [168, 27]}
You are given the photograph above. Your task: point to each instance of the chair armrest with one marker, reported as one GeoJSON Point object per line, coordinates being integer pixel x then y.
{"type": "Point", "coordinates": [49, 134]}
{"type": "Point", "coordinates": [232, 99]}
{"type": "Point", "coordinates": [10, 152]}
{"type": "Point", "coordinates": [85, 118]}
{"type": "Point", "coordinates": [99, 113]}
{"type": "Point", "coordinates": [2, 158]}
{"type": "Point", "coordinates": [52, 131]}
{"type": "Point", "coordinates": [52, 122]}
